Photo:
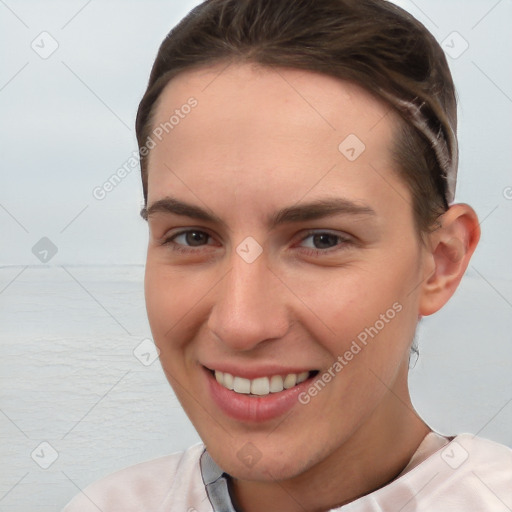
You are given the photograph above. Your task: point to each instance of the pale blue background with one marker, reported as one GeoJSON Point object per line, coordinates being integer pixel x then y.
{"type": "Point", "coordinates": [68, 374]}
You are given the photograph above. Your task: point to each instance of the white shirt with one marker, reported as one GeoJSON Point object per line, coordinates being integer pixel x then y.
{"type": "Point", "coordinates": [459, 474]}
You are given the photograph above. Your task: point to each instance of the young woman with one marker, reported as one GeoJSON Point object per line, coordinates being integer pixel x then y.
{"type": "Point", "coordinates": [299, 164]}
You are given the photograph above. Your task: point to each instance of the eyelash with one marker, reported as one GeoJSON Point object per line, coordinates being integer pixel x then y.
{"type": "Point", "coordinates": [344, 242]}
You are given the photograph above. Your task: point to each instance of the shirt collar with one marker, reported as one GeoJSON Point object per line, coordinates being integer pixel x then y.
{"type": "Point", "coordinates": [216, 484]}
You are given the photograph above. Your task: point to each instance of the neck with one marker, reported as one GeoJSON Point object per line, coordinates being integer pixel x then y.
{"type": "Point", "coordinates": [371, 458]}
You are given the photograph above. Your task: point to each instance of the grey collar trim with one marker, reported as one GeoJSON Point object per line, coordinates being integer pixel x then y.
{"type": "Point", "coordinates": [215, 483]}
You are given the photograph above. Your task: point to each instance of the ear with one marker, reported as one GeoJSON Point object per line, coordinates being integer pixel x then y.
{"type": "Point", "coordinates": [450, 248]}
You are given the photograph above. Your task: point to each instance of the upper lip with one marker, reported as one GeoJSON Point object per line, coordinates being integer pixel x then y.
{"type": "Point", "coordinates": [256, 371]}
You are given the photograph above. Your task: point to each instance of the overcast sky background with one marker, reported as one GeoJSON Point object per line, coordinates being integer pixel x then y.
{"type": "Point", "coordinates": [67, 122]}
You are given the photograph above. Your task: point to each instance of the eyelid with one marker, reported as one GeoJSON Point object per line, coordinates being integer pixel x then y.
{"type": "Point", "coordinates": [340, 234]}
{"type": "Point", "coordinates": [169, 237]}
{"type": "Point", "coordinates": [345, 241]}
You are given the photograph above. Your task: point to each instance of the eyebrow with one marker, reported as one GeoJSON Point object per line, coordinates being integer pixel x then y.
{"type": "Point", "coordinates": [296, 213]}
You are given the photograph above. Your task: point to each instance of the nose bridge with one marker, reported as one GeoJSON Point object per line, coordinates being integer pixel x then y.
{"type": "Point", "coordinates": [249, 307]}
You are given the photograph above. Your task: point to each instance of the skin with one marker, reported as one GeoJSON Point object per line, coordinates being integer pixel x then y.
{"type": "Point", "coordinates": [261, 140]}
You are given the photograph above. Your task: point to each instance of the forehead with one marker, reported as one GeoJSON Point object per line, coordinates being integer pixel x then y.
{"type": "Point", "coordinates": [256, 128]}
{"type": "Point", "coordinates": [234, 92]}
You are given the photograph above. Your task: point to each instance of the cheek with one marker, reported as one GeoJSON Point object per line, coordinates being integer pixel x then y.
{"type": "Point", "coordinates": [166, 302]}
{"type": "Point", "coordinates": [365, 314]}
{"type": "Point", "coordinates": [176, 304]}
{"type": "Point", "coordinates": [345, 300]}
{"type": "Point", "coordinates": [157, 296]}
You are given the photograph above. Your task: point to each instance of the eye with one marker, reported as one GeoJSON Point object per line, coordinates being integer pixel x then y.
{"type": "Point", "coordinates": [189, 241]}
{"type": "Point", "coordinates": [191, 238]}
{"type": "Point", "coordinates": [315, 242]}
{"type": "Point", "coordinates": [322, 242]}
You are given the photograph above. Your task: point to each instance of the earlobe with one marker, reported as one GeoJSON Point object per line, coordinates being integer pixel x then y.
{"type": "Point", "coordinates": [451, 248]}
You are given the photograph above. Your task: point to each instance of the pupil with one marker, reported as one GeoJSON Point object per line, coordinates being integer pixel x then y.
{"type": "Point", "coordinates": [324, 240]}
{"type": "Point", "coordinates": [196, 238]}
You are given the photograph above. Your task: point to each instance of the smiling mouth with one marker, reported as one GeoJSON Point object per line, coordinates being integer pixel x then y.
{"type": "Point", "coordinates": [261, 386]}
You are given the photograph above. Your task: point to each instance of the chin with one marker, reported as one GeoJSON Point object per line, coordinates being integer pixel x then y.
{"type": "Point", "coordinates": [266, 466]}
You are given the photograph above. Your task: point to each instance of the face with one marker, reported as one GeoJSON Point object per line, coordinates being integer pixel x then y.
{"type": "Point", "coordinates": [283, 261]}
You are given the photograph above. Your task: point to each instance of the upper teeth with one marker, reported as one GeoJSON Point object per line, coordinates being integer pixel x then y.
{"type": "Point", "coordinates": [260, 386]}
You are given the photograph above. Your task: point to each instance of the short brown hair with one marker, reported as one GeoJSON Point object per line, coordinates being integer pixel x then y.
{"type": "Point", "coordinates": [372, 43]}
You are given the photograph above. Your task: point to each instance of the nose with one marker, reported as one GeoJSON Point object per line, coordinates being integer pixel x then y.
{"type": "Point", "coordinates": [250, 306]}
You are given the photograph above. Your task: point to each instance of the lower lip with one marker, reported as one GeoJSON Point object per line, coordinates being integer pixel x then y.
{"type": "Point", "coordinates": [254, 409]}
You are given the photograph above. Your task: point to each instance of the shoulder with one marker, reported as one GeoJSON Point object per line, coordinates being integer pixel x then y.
{"type": "Point", "coordinates": [469, 473]}
{"type": "Point", "coordinates": [467, 453]}
{"type": "Point", "coordinates": [144, 486]}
